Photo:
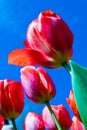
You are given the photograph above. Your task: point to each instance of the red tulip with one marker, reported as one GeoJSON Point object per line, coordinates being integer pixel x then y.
{"type": "Point", "coordinates": [49, 38]}
{"type": "Point", "coordinates": [61, 114]}
{"type": "Point", "coordinates": [77, 124]}
{"type": "Point", "coordinates": [1, 122]}
{"type": "Point", "coordinates": [72, 104]}
{"type": "Point", "coordinates": [33, 121]}
{"type": "Point", "coordinates": [37, 84]}
{"type": "Point", "coordinates": [11, 99]}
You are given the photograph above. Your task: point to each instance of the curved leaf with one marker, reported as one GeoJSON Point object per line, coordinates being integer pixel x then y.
{"type": "Point", "coordinates": [79, 83]}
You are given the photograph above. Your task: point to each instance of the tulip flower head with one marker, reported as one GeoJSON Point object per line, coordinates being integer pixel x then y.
{"type": "Point", "coordinates": [77, 124]}
{"type": "Point", "coordinates": [61, 114]}
{"type": "Point", "coordinates": [37, 84]}
{"type": "Point", "coordinates": [72, 103]}
{"type": "Point", "coordinates": [33, 121]}
{"type": "Point", "coordinates": [49, 38]}
{"type": "Point", "coordinates": [11, 99]}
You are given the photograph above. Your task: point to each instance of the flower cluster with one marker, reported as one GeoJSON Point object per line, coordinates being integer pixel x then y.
{"type": "Point", "coordinates": [49, 44]}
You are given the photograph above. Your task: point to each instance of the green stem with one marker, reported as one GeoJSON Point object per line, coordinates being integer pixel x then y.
{"type": "Point", "coordinates": [54, 116]}
{"type": "Point", "coordinates": [67, 67]}
{"type": "Point", "coordinates": [14, 124]}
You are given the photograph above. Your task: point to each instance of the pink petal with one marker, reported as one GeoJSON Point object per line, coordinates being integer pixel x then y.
{"type": "Point", "coordinates": [33, 121]}
{"type": "Point", "coordinates": [77, 124]}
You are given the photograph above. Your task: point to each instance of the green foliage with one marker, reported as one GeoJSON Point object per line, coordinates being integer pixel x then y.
{"type": "Point", "coordinates": [79, 84]}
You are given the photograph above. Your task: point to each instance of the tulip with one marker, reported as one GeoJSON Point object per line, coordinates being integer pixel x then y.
{"type": "Point", "coordinates": [61, 114]}
{"type": "Point", "coordinates": [49, 38]}
{"type": "Point", "coordinates": [37, 84]}
{"type": "Point", "coordinates": [72, 103]}
{"type": "Point", "coordinates": [33, 121]}
{"type": "Point", "coordinates": [1, 122]}
{"type": "Point", "coordinates": [11, 99]}
{"type": "Point", "coordinates": [77, 124]}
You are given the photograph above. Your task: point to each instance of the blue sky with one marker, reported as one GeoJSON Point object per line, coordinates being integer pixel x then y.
{"type": "Point", "coordinates": [15, 16]}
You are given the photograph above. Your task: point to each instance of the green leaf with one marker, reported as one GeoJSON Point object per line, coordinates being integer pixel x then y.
{"type": "Point", "coordinates": [79, 84]}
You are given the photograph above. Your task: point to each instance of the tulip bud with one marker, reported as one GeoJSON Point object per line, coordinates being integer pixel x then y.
{"type": "Point", "coordinates": [77, 124]}
{"type": "Point", "coordinates": [11, 99]}
{"type": "Point", "coordinates": [71, 102]}
{"type": "Point", "coordinates": [33, 121]}
{"type": "Point", "coordinates": [37, 84]}
{"type": "Point", "coordinates": [49, 38]}
{"type": "Point", "coordinates": [61, 114]}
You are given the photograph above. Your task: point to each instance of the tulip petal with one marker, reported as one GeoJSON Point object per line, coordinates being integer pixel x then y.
{"type": "Point", "coordinates": [11, 95]}
{"type": "Point", "coordinates": [3, 106]}
{"type": "Point", "coordinates": [72, 104]}
{"type": "Point", "coordinates": [24, 57]}
{"type": "Point", "coordinates": [33, 121]}
{"type": "Point", "coordinates": [47, 82]}
{"type": "Point", "coordinates": [55, 32]}
{"type": "Point", "coordinates": [26, 43]}
{"type": "Point", "coordinates": [20, 57]}
{"type": "Point", "coordinates": [1, 122]}
{"type": "Point", "coordinates": [30, 81]}
{"type": "Point", "coordinates": [17, 96]}
{"type": "Point", "coordinates": [77, 124]}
